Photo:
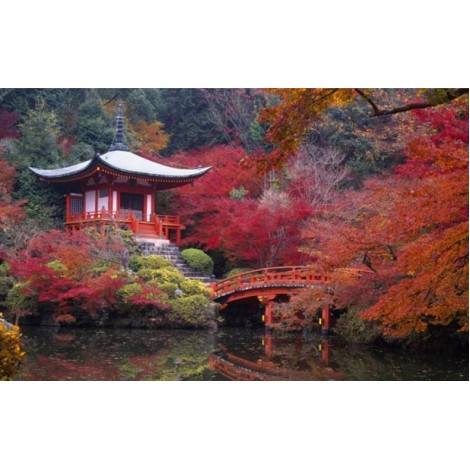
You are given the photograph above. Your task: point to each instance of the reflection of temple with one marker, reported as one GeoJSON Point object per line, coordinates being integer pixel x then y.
{"type": "Point", "coordinates": [234, 367]}
{"type": "Point", "coordinates": [120, 188]}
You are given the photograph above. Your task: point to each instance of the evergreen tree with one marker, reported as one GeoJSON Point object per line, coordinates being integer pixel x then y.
{"type": "Point", "coordinates": [38, 146]}
{"type": "Point", "coordinates": [186, 117]}
{"type": "Point", "coordinates": [93, 126]}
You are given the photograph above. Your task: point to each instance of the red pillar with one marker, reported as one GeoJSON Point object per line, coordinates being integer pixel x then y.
{"type": "Point", "coordinates": [144, 208]}
{"type": "Point", "coordinates": [325, 320]}
{"type": "Point", "coordinates": [268, 314]}
{"type": "Point", "coordinates": [67, 207]}
{"type": "Point", "coordinates": [110, 201]}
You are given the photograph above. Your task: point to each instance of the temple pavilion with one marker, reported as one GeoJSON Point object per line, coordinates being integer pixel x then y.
{"type": "Point", "coordinates": [120, 188]}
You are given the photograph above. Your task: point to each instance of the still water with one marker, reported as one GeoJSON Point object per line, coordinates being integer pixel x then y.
{"type": "Point", "coordinates": [229, 354]}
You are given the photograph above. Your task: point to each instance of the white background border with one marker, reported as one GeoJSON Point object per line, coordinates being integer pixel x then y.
{"type": "Point", "coordinates": [367, 425]}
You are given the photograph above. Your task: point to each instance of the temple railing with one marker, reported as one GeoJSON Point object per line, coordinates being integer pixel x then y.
{"type": "Point", "coordinates": [155, 225]}
{"type": "Point", "coordinates": [120, 216]}
{"type": "Point", "coordinates": [123, 216]}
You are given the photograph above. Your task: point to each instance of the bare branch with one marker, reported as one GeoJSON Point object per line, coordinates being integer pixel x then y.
{"type": "Point", "coordinates": [451, 95]}
{"type": "Point", "coordinates": [368, 99]}
{"type": "Point", "coordinates": [316, 174]}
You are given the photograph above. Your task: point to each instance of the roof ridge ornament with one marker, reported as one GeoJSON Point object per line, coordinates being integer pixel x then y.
{"type": "Point", "coordinates": [118, 141]}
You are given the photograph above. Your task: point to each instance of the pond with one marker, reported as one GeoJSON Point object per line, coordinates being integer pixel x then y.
{"type": "Point", "coordinates": [228, 354]}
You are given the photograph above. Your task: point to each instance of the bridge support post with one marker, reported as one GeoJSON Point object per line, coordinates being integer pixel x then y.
{"type": "Point", "coordinates": [267, 301]}
{"type": "Point", "coordinates": [268, 314]}
{"type": "Point", "coordinates": [325, 320]}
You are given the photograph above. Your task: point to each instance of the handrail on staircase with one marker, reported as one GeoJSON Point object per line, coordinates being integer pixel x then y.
{"type": "Point", "coordinates": [133, 221]}
{"type": "Point", "coordinates": [158, 222]}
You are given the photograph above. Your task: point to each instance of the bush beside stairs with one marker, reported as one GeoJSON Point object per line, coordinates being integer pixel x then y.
{"type": "Point", "coordinates": [172, 253]}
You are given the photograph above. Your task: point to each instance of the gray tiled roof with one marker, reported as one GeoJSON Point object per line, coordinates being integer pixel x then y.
{"type": "Point", "coordinates": [65, 171]}
{"type": "Point", "coordinates": [127, 162]}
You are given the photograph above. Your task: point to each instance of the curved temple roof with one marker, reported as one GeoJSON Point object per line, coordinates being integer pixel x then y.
{"type": "Point", "coordinates": [124, 162]}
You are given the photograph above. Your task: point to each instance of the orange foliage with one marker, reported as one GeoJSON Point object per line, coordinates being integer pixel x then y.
{"type": "Point", "coordinates": [409, 231]}
{"type": "Point", "coordinates": [291, 120]}
{"type": "Point", "coordinates": [10, 211]}
{"type": "Point", "coordinates": [299, 109]}
{"type": "Point", "coordinates": [152, 136]}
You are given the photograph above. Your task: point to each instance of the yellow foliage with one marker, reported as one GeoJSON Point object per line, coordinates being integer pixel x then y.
{"type": "Point", "coordinates": [11, 353]}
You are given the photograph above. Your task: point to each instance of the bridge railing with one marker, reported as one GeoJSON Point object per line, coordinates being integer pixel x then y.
{"type": "Point", "coordinates": [269, 276]}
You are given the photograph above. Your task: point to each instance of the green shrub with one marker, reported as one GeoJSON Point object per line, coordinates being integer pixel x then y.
{"type": "Point", "coordinates": [155, 277]}
{"type": "Point", "coordinates": [146, 274]}
{"type": "Point", "coordinates": [100, 267]}
{"type": "Point", "coordinates": [155, 262]}
{"type": "Point", "coordinates": [20, 304]}
{"type": "Point", "coordinates": [192, 310]}
{"type": "Point", "coordinates": [10, 350]}
{"type": "Point", "coordinates": [127, 291]}
{"type": "Point", "coordinates": [128, 238]}
{"type": "Point", "coordinates": [134, 262]}
{"type": "Point", "coordinates": [354, 329]}
{"type": "Point", "coordinates": [6, 281]}
{"type": "Point", "coordinates": [198, 260]}
{"type": "Point", "coordinates": [169, 288]}
{"type": "Point", "coordinates": [193, 287]}
{"type": "Point", "coordinates": [56, 265]}
{"type": "Point", "coordinates": [238, 193]}
{"type": "Point", "coordinates": [150, 262]}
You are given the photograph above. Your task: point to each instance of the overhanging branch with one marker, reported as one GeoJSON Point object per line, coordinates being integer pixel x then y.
{"type": "Point", "coordinates": [451, 95]}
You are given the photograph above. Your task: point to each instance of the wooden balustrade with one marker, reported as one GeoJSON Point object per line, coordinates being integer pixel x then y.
{"type": "Point", "coordinates": [293, 275]}
{"type": "Point", "coordinates": [118, 216]}
{"type": "Point", "coordinates": [122, 215]}
{"type": "Point", "coordinates": [158, 223]}
{"type": "Point", "coordinates": [134, 221]}
{"type": "Point", "coordinates": [161, 224]}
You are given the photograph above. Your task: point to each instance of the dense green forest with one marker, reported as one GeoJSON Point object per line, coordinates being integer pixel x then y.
{"type": "Point", "coordinates": [368, 180]}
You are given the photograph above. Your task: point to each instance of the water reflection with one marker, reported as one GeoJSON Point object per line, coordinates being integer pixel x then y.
{"type": "Point", "coordinates": [89, 354]}
{"type": "Point", "coordinates": [289, 357]}
{"type": "Point", "coordinates": [235, 354]}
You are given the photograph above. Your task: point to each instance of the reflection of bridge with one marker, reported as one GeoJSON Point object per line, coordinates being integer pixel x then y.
{"type": "Point", "coordinates": [235, 367]}
{"type": "Point", "coordinates": [269, 283]}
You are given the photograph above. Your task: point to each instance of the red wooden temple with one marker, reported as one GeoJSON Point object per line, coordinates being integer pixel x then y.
{"type": "Point", "coordinates": [120, 188]}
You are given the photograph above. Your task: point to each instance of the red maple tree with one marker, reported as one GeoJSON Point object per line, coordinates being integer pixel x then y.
{"type": "Point", "coordinates": [408, 234]}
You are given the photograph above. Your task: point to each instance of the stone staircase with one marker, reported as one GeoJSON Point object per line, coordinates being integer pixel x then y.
{"type": "Point", "coordinates": [172, 253]}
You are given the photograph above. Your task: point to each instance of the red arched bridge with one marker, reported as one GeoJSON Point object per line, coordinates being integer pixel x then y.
{"type": "Point", "coordinates": [269, 283]}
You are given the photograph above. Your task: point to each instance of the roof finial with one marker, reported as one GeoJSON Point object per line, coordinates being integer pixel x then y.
{"type": "Point", "coordinates": [118, 142]}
